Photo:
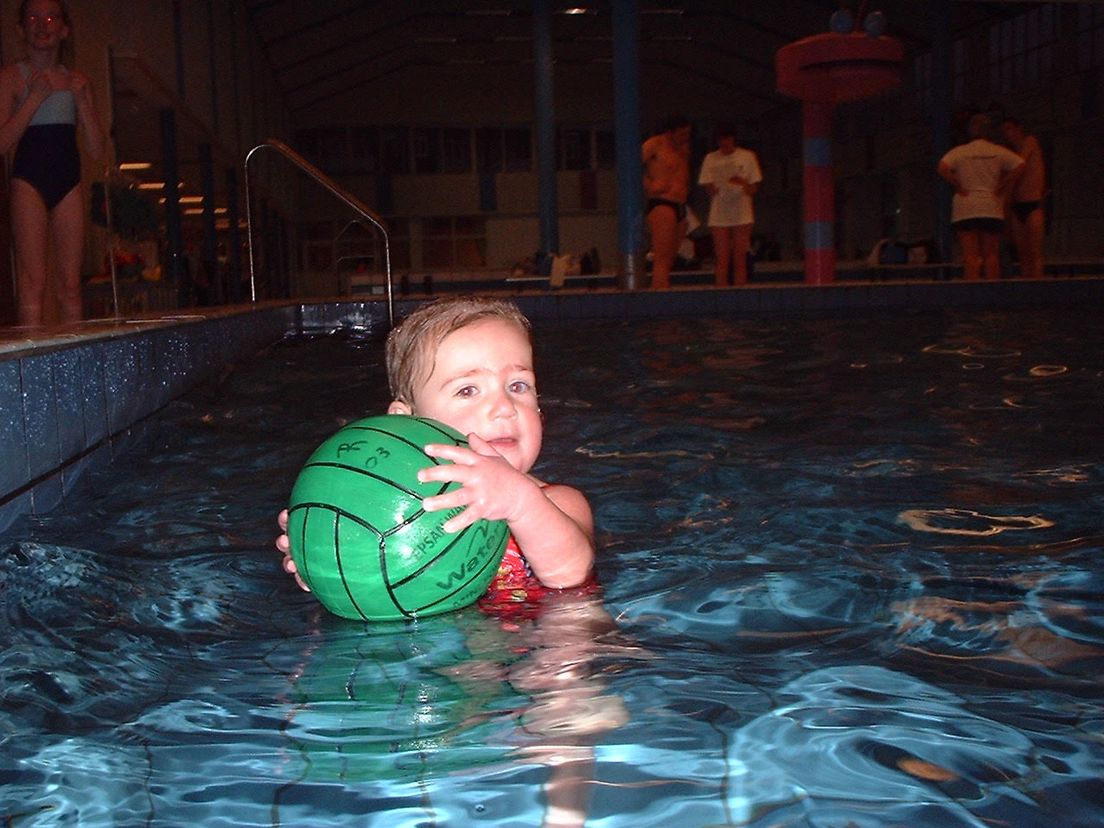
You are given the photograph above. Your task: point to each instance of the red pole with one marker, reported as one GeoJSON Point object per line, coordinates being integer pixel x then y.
{"type": "Point", "coordinates": [819, 193]}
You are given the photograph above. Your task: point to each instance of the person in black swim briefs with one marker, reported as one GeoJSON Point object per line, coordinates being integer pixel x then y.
{"type": "Point", "coordinates": [666, 159]}
{"type": "Point", "coordinates": [680, 209]}
{"type": "Point", "coordinates": [1026, 219]}
{"type": "Point", "coordinates": [42, 105]}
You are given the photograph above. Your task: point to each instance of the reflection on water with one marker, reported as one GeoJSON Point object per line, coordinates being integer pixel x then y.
{"type": "Point", "coordinates": [409, 703]}
{"type": "Point", "coordinates": [851, 575]}
{"type": "Point", "coordinates": [968, 522]}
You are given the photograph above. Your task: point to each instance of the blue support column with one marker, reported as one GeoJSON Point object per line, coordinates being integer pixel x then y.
{"type": "Point", "coordinates": [236, 284]}
{"type": "Point", "coordinates": [212, 65]}
{"type": "Point", "coordinates": [941, 120]}
{"type": "Point", "coordinates": [214, 289]}
{"type": "Point", "coordinates": [178, 48]}
{"type": "Point", "coordinates": [630, 170]}
{"type": "Point", "coordinates": [543, 70]}
{"type": "Point", "coordinates": [170, 164]}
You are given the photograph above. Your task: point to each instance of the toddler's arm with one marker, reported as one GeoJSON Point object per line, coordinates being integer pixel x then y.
{"type": "Point", "coordinates": [553, 525]}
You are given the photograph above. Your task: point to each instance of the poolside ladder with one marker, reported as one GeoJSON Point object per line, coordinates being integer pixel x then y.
{"type": "Point", "coordinates": [354, 203]}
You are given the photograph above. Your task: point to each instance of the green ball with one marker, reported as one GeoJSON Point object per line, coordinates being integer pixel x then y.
{"type": "Point", "coordinates": [360, 538]}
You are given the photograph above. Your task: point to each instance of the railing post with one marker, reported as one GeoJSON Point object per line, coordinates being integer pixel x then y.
{"type": "Point", "coordinates": [336, 190]}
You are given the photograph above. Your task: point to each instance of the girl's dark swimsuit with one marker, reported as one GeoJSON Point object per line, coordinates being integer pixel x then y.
{"type": "Point", "coordinates": [47, 159]}
{"type": "Point", "coordinates": [46, 156]}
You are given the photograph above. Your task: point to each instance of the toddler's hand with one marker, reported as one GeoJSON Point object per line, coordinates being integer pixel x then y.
{"type": "Point", "coordinates": [283, 545]}
{"type": "Point", "coordinates": [489, 486]}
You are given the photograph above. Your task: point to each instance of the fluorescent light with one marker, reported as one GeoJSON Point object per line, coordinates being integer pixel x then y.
{"type": "Point", "coordinates": [135, 165]}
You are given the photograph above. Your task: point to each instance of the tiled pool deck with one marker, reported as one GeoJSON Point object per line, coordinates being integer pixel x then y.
{"type": "Point", "coordinates": [75, 396]}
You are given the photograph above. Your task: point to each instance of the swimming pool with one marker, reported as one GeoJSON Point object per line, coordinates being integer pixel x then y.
{"type": "Point", "coordinates": [851, 570]}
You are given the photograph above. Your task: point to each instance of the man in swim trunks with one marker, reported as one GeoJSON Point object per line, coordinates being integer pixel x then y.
{"type": "Point", "coordinates": [666, 158]}
{"type": "Point", "coordinates": [1026, 219]}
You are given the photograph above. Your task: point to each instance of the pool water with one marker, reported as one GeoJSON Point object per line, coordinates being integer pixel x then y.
{"type": "Point", "coordinates": [851, 567]}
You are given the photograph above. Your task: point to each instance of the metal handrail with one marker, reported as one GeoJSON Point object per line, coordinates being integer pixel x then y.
{"type": "Point", "coordinates": [335, 189]}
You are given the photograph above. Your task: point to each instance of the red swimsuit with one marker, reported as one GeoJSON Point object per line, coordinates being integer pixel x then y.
{"type": "Point", "coordinates": [514, 583]}
{"type": "Point", "coordinates": [515, 592]}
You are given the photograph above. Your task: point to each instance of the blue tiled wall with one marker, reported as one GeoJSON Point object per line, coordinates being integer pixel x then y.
{"type": "Point", "coordinates": [70, 407]}
{"type": "Point", "coordinates": [840, 297]}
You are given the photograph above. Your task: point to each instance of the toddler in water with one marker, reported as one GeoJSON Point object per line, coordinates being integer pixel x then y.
{"type": "Point", "coordinates": [468, 362]}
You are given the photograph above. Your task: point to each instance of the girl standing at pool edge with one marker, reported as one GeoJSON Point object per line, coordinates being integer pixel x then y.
{"type": "Point", "coordinates": [42, 102]}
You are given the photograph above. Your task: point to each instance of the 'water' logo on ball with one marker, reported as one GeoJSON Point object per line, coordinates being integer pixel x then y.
{"type": "Point", "coordinates": [468, 568]}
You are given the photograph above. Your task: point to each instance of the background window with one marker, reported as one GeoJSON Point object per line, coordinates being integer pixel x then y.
{"type": "Point", "coordinates": [605, 149]}
{"type": "Point", "coordinates": [426, 144]}
{"type": "Point", "coordinates": [1090, 35]}
{"type": "Point", "coordinates": [574, 148]}
{"type": "Point", "coordinates": [455, 151]}
{"type": "Point", "coordinates": [517, 145]}
{"type": "Point", "coordinates": [364, 148]}
{"type": "Point", "coordinates": [488, 147]}
{"type": "Point", "coordinates": [394, 150]}
{"type": "Point", "coordinates": [454, 241]}
{"type": "Point", "coordinates": [1021, 50]}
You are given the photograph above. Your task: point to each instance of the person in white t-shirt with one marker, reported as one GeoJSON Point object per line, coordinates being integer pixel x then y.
{"type": "Point", "coordinates": [982, 173]}
{"type": "Point", "coordinates": [731, 177]}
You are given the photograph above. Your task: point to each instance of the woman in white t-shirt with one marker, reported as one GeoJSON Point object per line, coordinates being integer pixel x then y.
{"type": "Point", "coordinates": [981, 173]}
{"type": "Point", "coordinates": [731, 176]}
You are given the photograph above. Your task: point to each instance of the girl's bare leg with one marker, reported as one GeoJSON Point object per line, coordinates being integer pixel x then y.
{"type": "Point", "coordinates": [664, 226]}
{"type": "Point", "coordinates": [30, 223]}
{"type": "Point", "coordinates": [742, 236]}
{"type": "Point", "coordinates": [67, 231]}
{"type": "Point", "coordinates": [722, 252]}
{"type": "Point", "coordinates": [990, 254]}
{"type": "Point", "coordinates": [970, 242]}
{"type": "Point", "coordinates": [1034, 230]}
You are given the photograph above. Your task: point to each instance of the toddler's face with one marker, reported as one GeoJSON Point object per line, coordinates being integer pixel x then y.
{"type": "Point", "coordinates": [483, 383]}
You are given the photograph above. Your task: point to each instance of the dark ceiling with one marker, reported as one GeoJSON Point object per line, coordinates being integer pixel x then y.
{"type": "Point", "coordinates": [322, 49]}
